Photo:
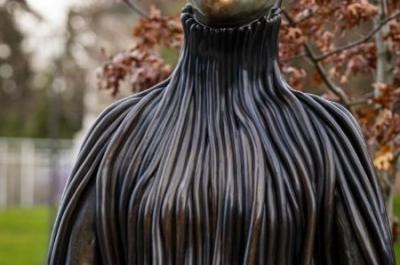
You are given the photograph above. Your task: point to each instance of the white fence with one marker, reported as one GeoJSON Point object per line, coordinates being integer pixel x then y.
{"type": "Point", "coordinates": [32, 171]}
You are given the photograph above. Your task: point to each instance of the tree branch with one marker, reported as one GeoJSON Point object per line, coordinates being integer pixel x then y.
{"type": "Point", "coordinates": [367, 38]}
{"type": "Point", "coordinates": [298, 56]}
{"type": "Point", "coordinates": [135, 8]}
{"type": "Point", "coordinates": [363, 99]}
{"type": "Point", "coordinates": [339, 92]}
{"type": "Point", "coordinates": [304, 18]}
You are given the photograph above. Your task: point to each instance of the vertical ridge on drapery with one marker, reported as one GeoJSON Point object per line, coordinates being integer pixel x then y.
{"type": "Point", "coordinates": [223, 164]}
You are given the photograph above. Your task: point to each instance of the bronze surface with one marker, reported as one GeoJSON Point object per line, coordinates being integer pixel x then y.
{"type": "Point", "coordinates": [223, 164]}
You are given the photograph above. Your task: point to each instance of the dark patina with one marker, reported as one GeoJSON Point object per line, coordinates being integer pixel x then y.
{"type": "Point", "coordinates": [224, 164]}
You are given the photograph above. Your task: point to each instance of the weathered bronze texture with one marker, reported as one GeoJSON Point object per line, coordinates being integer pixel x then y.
{"type": "Point", "coordinates": [223, 164]}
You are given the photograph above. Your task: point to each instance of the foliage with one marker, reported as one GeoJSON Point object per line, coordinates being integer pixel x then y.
{"type": "Point", "coordinates": [321, 35]}
{"type": "Point", "coordinates": [15, 72]}
{"type": "Point", "coordinates": [143, 64]}
{"type": "Point", "coordinates": [348, 50]}
{"type": "Point", "coordinates": [25, 104]}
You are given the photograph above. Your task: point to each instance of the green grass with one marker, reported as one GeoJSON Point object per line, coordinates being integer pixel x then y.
{"type": "Point", "coordinates": [23, 236]}
{"type": "Point", "coordinates": [396, 210]}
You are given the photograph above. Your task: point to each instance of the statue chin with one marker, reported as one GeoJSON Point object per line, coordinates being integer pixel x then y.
{"type": "Point", "coordinates": [230, 12]}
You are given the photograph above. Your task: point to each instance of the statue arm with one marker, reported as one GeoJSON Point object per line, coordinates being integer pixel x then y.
{"type": "Point", "coordinates": [361, 229]}
{"type": "Point", "coordinates": [347, 251]}
{"type": "Point", "coordinates": [82, 246]}
{"type": "Point", "coordinates": [73, 240]}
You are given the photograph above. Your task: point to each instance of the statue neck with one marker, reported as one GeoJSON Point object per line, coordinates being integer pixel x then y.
{"type": "Point", "coordinates": [250, 49]}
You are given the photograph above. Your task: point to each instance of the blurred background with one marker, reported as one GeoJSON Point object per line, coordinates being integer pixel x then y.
{"type": "Point", "coordinates": [62, 62]}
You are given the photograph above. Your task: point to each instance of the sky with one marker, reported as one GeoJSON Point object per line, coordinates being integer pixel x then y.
{"type": "Point", "coordinates": [54, 11]}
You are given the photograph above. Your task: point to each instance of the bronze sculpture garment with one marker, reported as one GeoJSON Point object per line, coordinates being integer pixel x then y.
{"type": "Point", "coordinates": [223, 164]}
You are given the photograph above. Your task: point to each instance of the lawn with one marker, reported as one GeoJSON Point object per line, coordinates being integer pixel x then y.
{"type": "Point", "coordinates": [396, 208]}
{"type": "Point", "coordinates": [24, 236]}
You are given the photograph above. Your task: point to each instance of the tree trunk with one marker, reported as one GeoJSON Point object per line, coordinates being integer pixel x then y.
{"type": "Point", "coordinates": [383, 75]}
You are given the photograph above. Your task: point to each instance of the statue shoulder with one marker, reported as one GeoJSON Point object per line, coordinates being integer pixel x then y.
{"type": "Point", "coordinates": [362, 230]}
{"type": "Point", "coordinates": [330, 113]}
{"type": "Point", "coordinates": [69, 243]}
{"type": "Point", "coordinates": [115, 114]}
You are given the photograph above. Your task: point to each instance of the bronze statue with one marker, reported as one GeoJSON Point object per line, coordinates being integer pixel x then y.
{"type": "Point", "coordinates": [224, 164]}
{"type": "Point", "coordinates": [231, 12]}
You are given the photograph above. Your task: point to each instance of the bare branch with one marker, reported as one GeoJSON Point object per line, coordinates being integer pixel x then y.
{"type": "Point", "coordinates": [298, 56]}
{"type": "Point", "coordinates": [135, 8]}
{"type": "Point", "coordinates": [365, 39]}
{"type": "Point", "coordinates": [24, 5]}
{"type": "Point", "coordinates": [310, 14]}
{"type": "Point", "coordinates": [361, 101]}
{"type": "Point", "coordinates": [339, 92]}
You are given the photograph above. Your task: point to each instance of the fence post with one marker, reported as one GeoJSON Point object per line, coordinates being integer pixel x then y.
{"type": "Point", "coordinates": [27, 163]}
{"type": "Point", "coordinates": [3, 174]}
